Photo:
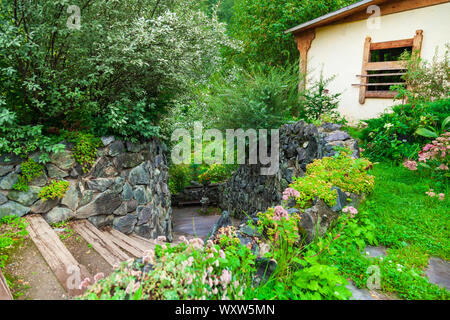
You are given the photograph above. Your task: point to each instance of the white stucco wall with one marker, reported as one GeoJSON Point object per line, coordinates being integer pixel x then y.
{"type": "Point", "coordinates": [338, 50]}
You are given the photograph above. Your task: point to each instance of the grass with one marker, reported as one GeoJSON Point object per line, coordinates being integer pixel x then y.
{"type": "Point", "coordinates": [12, 233]}
{"type": "Point", "coordinates": [398, 215]}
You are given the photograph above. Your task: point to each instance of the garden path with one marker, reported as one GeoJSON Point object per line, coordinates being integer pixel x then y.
{"type": "Point", "coordinates": [187, 221]}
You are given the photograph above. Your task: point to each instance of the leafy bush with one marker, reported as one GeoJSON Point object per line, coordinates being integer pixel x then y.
{"type": "Point", "coordinates": [256, 99]}
{"type": "Point", "coordinates": [350, 175]}
{"type": "Point", "coordinates": [117, 73]}
{"type": "Point", "coordinates": [434, 156]}
{"type": "Point", "coordinates": [29, 170]}
{"type": "Point", "coordinates": [180, 176]}
{"type": "Point", "coordinates": [216, 173]}
{"type": "Point", "coordinates": [393, 134]}
{"type": "Point", "coordinates": [13, 230]}
{"type": "Point", "coordinates": [56, 189]}
{"type": "Point", "coordinates": [425, 82]}
{"type": "Point", "coordinates": [24, 139]}
{"type": "Point", "coordinates": [318, 101]}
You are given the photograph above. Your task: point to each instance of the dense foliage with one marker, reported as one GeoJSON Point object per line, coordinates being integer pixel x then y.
{"type": "Point", "coordinates": [117, 73]}
{"type": "Point", "coordinates": [260, 25]}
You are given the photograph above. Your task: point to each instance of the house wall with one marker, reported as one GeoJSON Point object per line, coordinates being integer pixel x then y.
{"type": "Point", "coordinates": [338, 50]}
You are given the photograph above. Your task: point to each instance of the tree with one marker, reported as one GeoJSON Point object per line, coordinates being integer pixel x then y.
{"type": "Point", "coordinates": [116, 73]}
{"type": "Point", "coordinates": [260, 24]}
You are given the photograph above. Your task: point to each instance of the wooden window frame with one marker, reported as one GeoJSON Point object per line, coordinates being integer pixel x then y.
{"type": "Point", "coordinates": [415, 43]}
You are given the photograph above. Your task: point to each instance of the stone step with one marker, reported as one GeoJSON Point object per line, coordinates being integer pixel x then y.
{"type": "Point", "coordinates": [5, 293]}
{"type": "Point", "coordinates": [66, 269]}
{"type": "Point", "coordinates": [101, 242]}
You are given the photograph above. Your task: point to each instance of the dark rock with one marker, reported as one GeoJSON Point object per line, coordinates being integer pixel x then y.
{"type": "Point", "coordinates": [77, 171]}
{"type": "Point", "coordinates": [144, 215]}
{"type": "Point", "coordinates": [44, 206]}
{"type": "Point", "coordinates": [223, 221]}
{"type": "Point", "coordinates": [438, 272]}
{"type": "Point", "coordinates": [9, 159]}
{"type": "Point", "coordinates": [116, 148]}
{"type": "Point", "coordinates": [316, 219]}
{"type": "Point", "coordinates": [293, 210]}
{"type": "Point", "coordinates": [6, 169]}
{"type": "Point", "coordinates": [39, 181]}
{"type": "Point", "coordinates": [25, 198]}
{"type": "Point", "coordinates": [144, 231]}
{"type": "Point", "coordinates": [71, 197]}
{"type": "Point", "coordinates": [9, 181]}
{"type": "Point", "coordinates": [104, 168]}
{"type": "Point", "coordinates": [107, 140]}
{"type": "Point", "coordinates": [86, 197]}
{"type": "Point", "coordinates": [131, 205]}
{"type": "Point", "coordinates": [127, 192]}
{"type": "Point", "coordinates": [249, 231]}
{"type": "Point", "coordinates": [341, 200]}
{"type": "Point", "coordinates": [127, 160]}
{"type": "Point", "coordinates": [58, 214]}
{"type": "Point", "coordinates": [337, 136]}
{"type": "Point", "coordinates": [3, 199]}
{"type": "Point", "coordinates": [102, 220]}
{"type": "Point", "coordinates": [105, 203]}
{"type": "Point", "coordinates": [13, 208]}
{"type": "Point", "coordinates": [139, 175]}
{"type": "Point", "coordinates": [126, 223]}
{"type": "Point", "coordinates": [100, 184]}
{"type": "Point", "coordinates": [140, 195]}
{"type": "Point", "coordinates": [55, 172]}
{"type": "Point", "coordinates": [328, 127]}
{"type": "Point", "coordinates": [134, 147]}
{"type": "Point", "coordinates": [63, 160]}
{"type": "Point", "coordinates": [264, 269]}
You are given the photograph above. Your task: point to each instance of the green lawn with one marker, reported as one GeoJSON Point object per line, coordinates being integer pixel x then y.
{"type": "Point", "coordinates": [398, 215]}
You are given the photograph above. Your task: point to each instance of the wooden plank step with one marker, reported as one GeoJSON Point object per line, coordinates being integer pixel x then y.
{"type": "Point", "coordinates": [139, 245]}
{"type": "Point", "coordinates": [144, 241]}
{"type": "Point", "coordinates": [101, 243]}
{"type": "Point", "coordinates": [5, 293]}
{"type": "Point", "coordinates": [124, 244]}
{"type": "Point", "coordinates": [66, 269]}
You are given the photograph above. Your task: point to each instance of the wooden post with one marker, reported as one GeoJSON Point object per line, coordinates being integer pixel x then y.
{"type": "Point", "coordinates": [417, 42]}
{"type": "Point", "coordinates": [304, 41]}
{"type": "Point", "coordinates": [364, 80]}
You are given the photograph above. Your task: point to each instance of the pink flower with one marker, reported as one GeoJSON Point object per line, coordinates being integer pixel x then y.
{"type": "Point", "coordinates": [411, 165]}
{"type": "Point", "coordinates": [279, 213]}
{"type": "Point", "coordinates": [441, 196]}
{"type": "Point", "coordinates": [353, 211]}
{"type": "Point", "coordinates": [225, 278]}
{"type": "Point", "coordinates": [443, 167]}
{"type": "Point", "coordinates": [222, 254]}
{"type": "Point", "coordinates": [85, 283]}
{"type": "Point", "coordinates": [99, 276]}
{"type": "Point", "coordinates": [431, 193]}
{"type": "Point", "coordinates": [290, 192]}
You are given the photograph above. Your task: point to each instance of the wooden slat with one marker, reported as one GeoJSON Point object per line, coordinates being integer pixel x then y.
{"type": "Point", "coordinates": [103, 245]}
{"type": "Point", "coordinates": [384, 65]}
{"type": "Point", "coordinates": [378, 84]}
{"type": "Point", "coordinates": [57, 256]}
{"type": "Point", "coordinates": [380, 94]}
{"type": "Point", "coordinates": [366, 57]}
{"type": "Point", "coordinates": [5, 293]}
{"type": "Point", "coordinates": [381, 74]}
{"type": "Point", "coordinates": [391, 44]}
{"type": "Point", "coordinates": [136, 242]}
{"type": "Point", "coordinates": [125, 242]}
{"type": "Point", "coordinates": [143, 240]}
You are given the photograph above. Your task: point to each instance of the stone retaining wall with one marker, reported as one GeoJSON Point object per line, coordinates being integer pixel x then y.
{"type": "Point", "coordinates": [194, 193]}
{"type": "Point", "coordinates": [300, 143]}
{"type": "Point", "coordinates": [127, 188]}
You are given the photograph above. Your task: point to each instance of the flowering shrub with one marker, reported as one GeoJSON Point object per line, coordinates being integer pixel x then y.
{"type": "Point", "coordinates": [190, 270]}
{"type": "Point", "coordinates": [278, 226]}
{"type": "Point", "coordinates": [434, 156]}
{"type": "Point", "coordinates": [350, 175]}
{"type": "Point", "coordinates": [393, 134]}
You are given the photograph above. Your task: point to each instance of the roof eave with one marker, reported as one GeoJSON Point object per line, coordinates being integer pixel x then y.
{"type": "Point", "coordinates": [341, 13]}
